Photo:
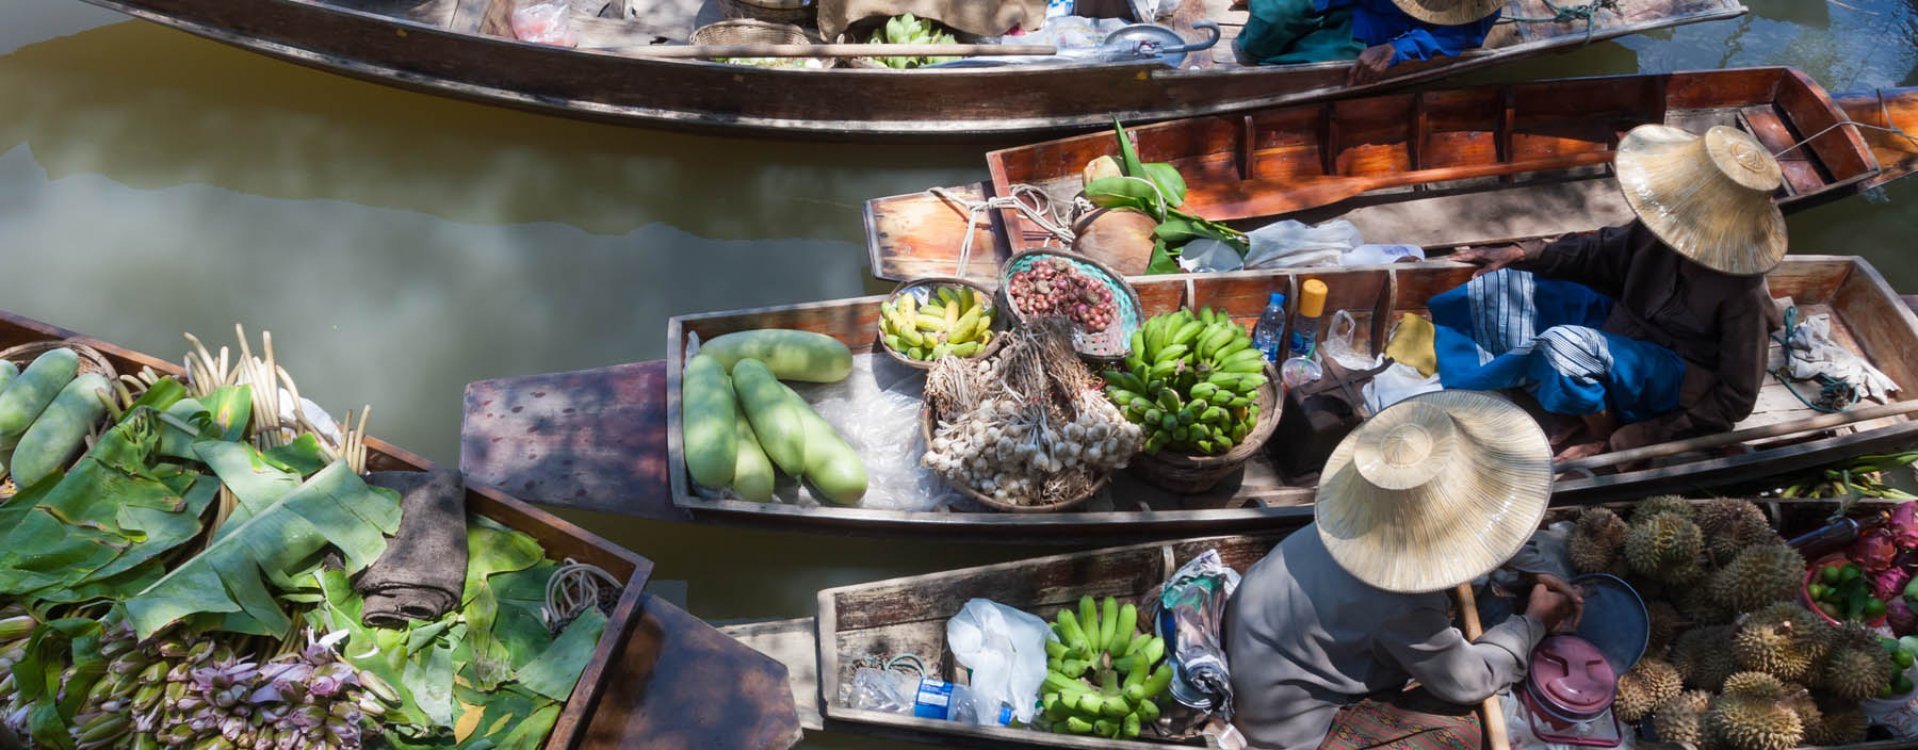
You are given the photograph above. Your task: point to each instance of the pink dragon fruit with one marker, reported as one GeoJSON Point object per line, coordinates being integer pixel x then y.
{"type": "Point", "coordinates": [1873, 552]}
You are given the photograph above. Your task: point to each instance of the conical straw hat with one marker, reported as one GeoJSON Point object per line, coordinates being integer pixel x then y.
{"type": "Point", "coordinates": [1449, 12]}
{"type": "Point", "coordinates": [1434, 491]}
{"type": "Point", "coordinates": [1708, 197]}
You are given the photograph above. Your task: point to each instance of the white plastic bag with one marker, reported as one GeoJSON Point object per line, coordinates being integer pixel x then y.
{"type": "Point", "coordinates": [544, 22]}
{"type": "Point", "coordinates": [1006, 651]}
{"type": "Point", "coordinates": [1398, 383]}
{"type": "Point", "coordinates": [1340, 344]}
{"type": "Point", "coordinates": [1211, 256]}
{"type": "Point", "coordinates": [1291, 244]}
{"type": "Point", "coordinates": [1376, 255]}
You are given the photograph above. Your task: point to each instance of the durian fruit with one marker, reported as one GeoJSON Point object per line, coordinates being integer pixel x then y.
{"type": "Point", "coordinates": [1651, 507]}
{"type": "Point", "coordinates": [1730, 526]}
{"type": "Point", "coordinates": [1841, 726]}
{"type": "Point", "coordinates": [1703, 656]}
{"type": "Point", "coordinates": [1754, 713]}
{"type": "Point", "coordinates": [1782, 640]}
{"type": "Point", "coordinates": [1758, 576]}
{"type": "Point", "coordinates": [1682, 719]}
{"type": "Point", "coordinates": [1665, 620]}
{"type": "Point", "coordinates": [1649, 683]}
{"type": "Point", "coordinates": [1665, 548]}
{"type": "Point", "coordinates": [1856, 667]}
{"type": "Point", "coordinates": [1596, 540]}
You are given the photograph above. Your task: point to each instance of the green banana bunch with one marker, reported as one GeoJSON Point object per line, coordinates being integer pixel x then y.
{"type": "Point", "coordinates": [1191, 381]}
{"type": "Point", "coordinates": [1863, 477]}
{"type": "Point", "coordinates": [954, 321]}
{"type": "Point", "coordinates": [1101, 677]}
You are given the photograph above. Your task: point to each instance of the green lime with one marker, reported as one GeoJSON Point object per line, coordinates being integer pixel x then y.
{"type": "Point", "coordinates": [1901, 686]}
{"type": "Point", "coordinates": [1890, 644]}
{"type": "Point", "coordinates": [1832, 573]}
{"type": "Point", "coordinates": [1852, 572]}
{"type": "Point", "coordinates": [1875, 607]}
{"type": "Point", "coordinates": [1817, 591]}
{"type": "Point", "coordinates": [1886, 692]}
{"type": "Point", "coordinates": [1902, 658]}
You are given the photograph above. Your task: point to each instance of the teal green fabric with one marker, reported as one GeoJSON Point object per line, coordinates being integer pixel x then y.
{"type": "Point", "coordinates": [1287, 32]}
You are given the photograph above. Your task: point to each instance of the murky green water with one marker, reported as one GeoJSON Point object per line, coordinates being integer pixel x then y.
{"type": "Point", "coordinates": [400, 246]}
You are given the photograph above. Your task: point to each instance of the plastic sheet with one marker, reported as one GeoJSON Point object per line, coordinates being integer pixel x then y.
{"type": "Point", "coordinates": [1006, 650]}
{"type": "Point", "coordinates": [876, 410]}
{"type": "Point", "coordinates": [544, 22]}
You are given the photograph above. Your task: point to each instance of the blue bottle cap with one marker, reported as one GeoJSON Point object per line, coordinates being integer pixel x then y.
{"type": "Point", "coordinates": [1278, 298]}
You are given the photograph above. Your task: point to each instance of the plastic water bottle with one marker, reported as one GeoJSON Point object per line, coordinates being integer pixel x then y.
{"type": "Point", "coordinates": [938, 699]}
{"type": "Point", "coordinates": [1305, 330]}
{"type": "Point", "coordinates": [1269, 335]}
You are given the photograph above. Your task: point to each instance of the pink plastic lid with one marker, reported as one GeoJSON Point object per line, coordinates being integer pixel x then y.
{"type": "Point", "coordinates": [1571, 677]}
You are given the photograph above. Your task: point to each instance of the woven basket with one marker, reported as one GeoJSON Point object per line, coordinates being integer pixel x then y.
{"type": "Point", "coordinates": [750, 32]}
{"type": "Point", "coordinates": [1190, 475]}
{"type": "Point", "coordinates": [924, 288]}
{"type": "Point", "coordinates": [778, 11]}
{"type": "Point", "coordinates": [1109, 344]}
{"type": "Point", "coordinates": [91, 360]}
{"type": "Point", "coordinates": [929, 424]}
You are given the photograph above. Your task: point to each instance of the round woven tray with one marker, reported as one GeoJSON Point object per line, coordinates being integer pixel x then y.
{"type": "Point", "coordinates": [777, 11]}
{"type": "Point", "coordinates": [929, 424]}
{"type": "Point", "coordinates": [91, 360]}
{"type": "Point", "coordinates": [1109, 344]}
{"type": "Point", "coordinates": [747, 31]}
{"type": "Point", "coordinates": [923, 288]}
{"type": "Point", "coordinates": [1189, 475]}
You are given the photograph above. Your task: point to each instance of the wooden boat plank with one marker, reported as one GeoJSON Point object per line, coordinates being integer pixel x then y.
{"type": "Point", "coordinates": [560, 538]}
{"type": "Point", "coordinates": [684, 685]}
{"type": "Point", "coordinates": [911, 236]}
{"type": "Point", "coordinates": [592, 439]}
{"type": "Point", "coordinates": [1891, 107]}
{"type": "Point", "coordinates": [794, 643]}
{"type": "Point", "coordinates": [1911, 302]}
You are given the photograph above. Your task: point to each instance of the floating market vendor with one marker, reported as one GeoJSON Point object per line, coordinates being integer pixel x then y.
{"type": "Point", "coordinates": [1325, 633]}
{"type": "Point", "coordinates": [1376, 33]}
{"type": "Point", "coordinates": [1660, 325]}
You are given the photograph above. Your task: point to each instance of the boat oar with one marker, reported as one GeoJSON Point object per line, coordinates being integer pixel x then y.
{"type": "Point", "coordinates": [1253, 198]}
{"type": "Point", "coordinates": [1781, 429]}
{"type": "Point", "coordinates": [1495, 734]}
{"type": "Point", "coordinates": [707, 51]}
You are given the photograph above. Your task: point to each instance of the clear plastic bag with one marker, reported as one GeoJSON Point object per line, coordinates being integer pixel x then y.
{"type": "Point", "coordinates": [1006, 650]}
{"type": "Point", "coordinates": [1292, 244]}
{"type": "Point", "coordinates": [883, 690]}
{"type": "Point", "coordinates": [876, 410]}
{"type": "Point", "coordinates": [544, 22]}
{"type": "Point", "coordinates": [1340, 344]}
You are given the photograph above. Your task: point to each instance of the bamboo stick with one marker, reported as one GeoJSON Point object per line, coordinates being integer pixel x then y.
{"type": "Point", "coordinates": [1495, 735]}
{"type": "Point", "coordinates": [1675, 447]}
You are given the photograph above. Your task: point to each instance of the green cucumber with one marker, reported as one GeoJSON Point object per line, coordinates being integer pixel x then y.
{"type": "Point", "coordinates": [29, 394]}
{"type": "Point", "coordinates": [61, 429]}
{"type": "Point", "coordinates": [753, 473]}
{"type": "Point", "coordinates": [775, 415]}
{"type": "Point", "coordinates": [708, 422]}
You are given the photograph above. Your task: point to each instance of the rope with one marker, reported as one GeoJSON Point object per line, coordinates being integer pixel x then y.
{"type": "Point", "coordinates": [906, 663]}
{"type": "Point", "coordinates": [1567, 14]}
{"type": "Point", "coordinates": [1040, 211]}
{"type": "Point", "coordinates": [574, 587]}
{"type": "Point", "coordinates": [1834, 126]}
{"type": "Point", "coordinates": [1831, 390]}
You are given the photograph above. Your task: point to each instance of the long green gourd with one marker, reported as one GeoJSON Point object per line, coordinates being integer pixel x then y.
{"type": "Point", "coordinates": [833, 468]}
{"type": "Point", "coordinates": [753, 474]}
{"type": "Point", "coordinates": [29, 393]}
{"type": "Point", "coordinates": [708, 422]}
{"type": "Point", "coordinates": [790, 355]}
{"type": "Point", "coordinates": [61, 429]}
{"type": "Point", "coordinates": [774, 414]}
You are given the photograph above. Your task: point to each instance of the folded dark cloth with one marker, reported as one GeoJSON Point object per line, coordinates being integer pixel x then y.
{"type": "Point", "coordinates": [422, 574]}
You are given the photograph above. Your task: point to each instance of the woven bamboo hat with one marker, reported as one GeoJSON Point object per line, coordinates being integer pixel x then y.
{"type": "Point", "coordinates": [1708, 197]}
{"type": "Point", "coordinates": [1434, 491]}
{"type": "Point", "coordinates": [1449, 12]}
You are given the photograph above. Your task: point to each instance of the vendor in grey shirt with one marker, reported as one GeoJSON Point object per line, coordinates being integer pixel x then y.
{"type": "Point", "coordinates": [1324, 634]}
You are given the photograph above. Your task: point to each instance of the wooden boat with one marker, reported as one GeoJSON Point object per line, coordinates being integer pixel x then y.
{"type": "Point", "coordinates": [647, 640]}
{"type": "Point", "coordinates": [465, 48]}
{"type": "Point", "coordinates": [1239, 168]}
{"type": "Point", "coordinates": [908, 616]}
{"type": "Point", "coordinates": [609, 439]}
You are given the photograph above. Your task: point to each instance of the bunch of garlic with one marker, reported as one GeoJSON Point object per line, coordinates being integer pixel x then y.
{"type": "Point", "coordinates": [1017, 453]}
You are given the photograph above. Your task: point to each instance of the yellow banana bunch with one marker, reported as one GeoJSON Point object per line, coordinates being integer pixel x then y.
{"type": "Point", "coordinates": [953, 321]}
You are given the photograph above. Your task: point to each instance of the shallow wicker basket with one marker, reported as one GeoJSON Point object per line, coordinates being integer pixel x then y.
{"type": "Point", "coordinates": [750, 32]}
{"type": "Point", "coordinates": [1116, 339]}
{"type": "Point", "coordinates": [923, 288]}
{"type": "Point", "coordinates": [929, 424]}
{"type": "Point", "coordinates": [1190, 475]}
{"type": "Point", "coordinates": [91, 360]}
{"type": "Point", "coordinates": [777, 11]}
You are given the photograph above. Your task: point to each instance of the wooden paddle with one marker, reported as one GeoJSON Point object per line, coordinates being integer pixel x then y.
{"type": "Point", "coordinates": [707, 51]}
{"type": "Point", "coordinates": [1253, 198]}
{"type": "Point", "coordinates": [1496, 737]}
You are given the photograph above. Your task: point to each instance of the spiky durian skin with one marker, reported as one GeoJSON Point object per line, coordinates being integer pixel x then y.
{"type": "Point", "coordinates": [1731, 526]}
{"type": "Point", "coordinates": [1665, 548]}
{"type": "Point", "coordinates": [1853, 673]}
{"type": "Point", "coordinates": [1758, 576]}
{"type": "Point", "coordinates": [1682, 719]}
{"type": "Point", "coordinates": [1664, 627]}
{"type": "Point", "coordinates": [1781, 639]}
{"type": "Point", "coordinates": [1596, 540]}
{"type": "Point", "coordinates": [1841, 727]}
{"type": "Point", "coordinates": [1754, 724]}
{"type": "Point", "coordinates": [1703, 656]}
{"type": "Point", "coordinates": [1755, 685]}
{"type": "Point", "coordinates": [1651, 507]}
{"type": "Point", "coordinates": [1649, 683]}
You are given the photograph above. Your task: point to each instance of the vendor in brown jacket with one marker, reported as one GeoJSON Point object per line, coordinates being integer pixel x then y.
{"type": "Point", "coordinates": [1684, 284]}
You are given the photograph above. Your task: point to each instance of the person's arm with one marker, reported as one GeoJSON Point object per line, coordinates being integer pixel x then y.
{"type": "Point", "coordinates": [1424, 644]}
{"type": "Point", "coordinates": [1596, 259]}
{"type": "Point", "coordinates": [1712, 401]}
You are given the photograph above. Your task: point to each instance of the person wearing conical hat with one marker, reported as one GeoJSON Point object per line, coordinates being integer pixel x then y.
{"type": "Point", "coordinates": [1375, 34]}
{"type": "Point", "coordinates": [1645, 333]}
{"type": "Point", "coordinates": [1324, 634]}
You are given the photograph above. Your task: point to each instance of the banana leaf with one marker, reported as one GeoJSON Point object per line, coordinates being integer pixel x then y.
{"type": "Point", "coordinates": [490, 550]}
{"type": "Point", "coordinates": [258, 480]}
{"type": "Point", "coordinates": [381, 651]}
{"type": "Point", "coordinates": [557, 668]}
{"type": "Point", "coordinates": [333, 508]}
{"type": "Point", "coordinates": [1128, 154]}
